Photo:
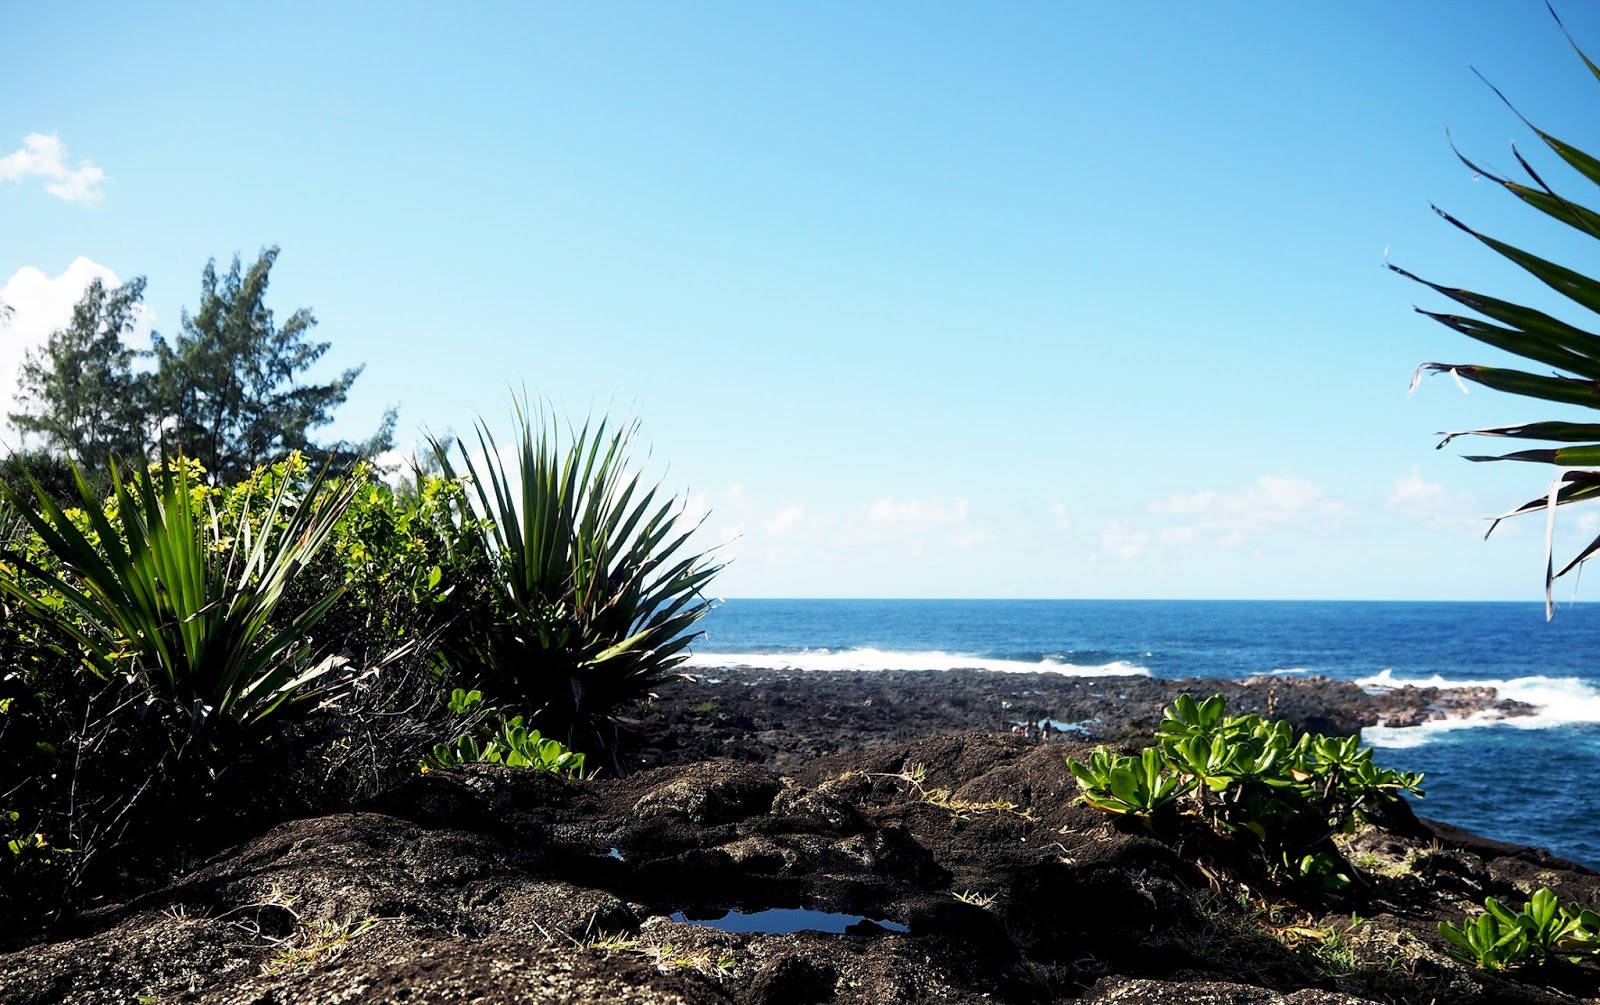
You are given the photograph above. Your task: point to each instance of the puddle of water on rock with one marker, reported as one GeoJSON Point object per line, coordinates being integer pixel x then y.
{"type": "Point", "coordinates": [782, 921]}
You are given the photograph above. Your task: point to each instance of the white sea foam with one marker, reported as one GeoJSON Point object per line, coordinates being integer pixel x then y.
{"type": "Point", "coordinates": [1062, 727]}
{"type": "Point", "coordinates": [880, 659]}
{"type": "Point", "coordinates": [1559, 701]}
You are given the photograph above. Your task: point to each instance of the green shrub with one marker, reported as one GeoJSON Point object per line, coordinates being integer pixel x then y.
{"type": "Point", "coordinates": [1245, 775]}
{"type": "Point", "coordinates": [148, 678]}
{"type": "Point", "coordinates": [395, 556]}
{"type": "Point", "coordinates": [1544, 929]}
{"type": "Point", "coordinates": [594, 588]}
{"type": "Point", "coordinates": [51, 471]}
{"type": "Point", "coordinates": [153, 589]}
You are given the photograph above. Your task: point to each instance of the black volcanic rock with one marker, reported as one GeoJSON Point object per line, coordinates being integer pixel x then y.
{"type": "Point", "coordinates": [936, 868]}
{"type": "Point", "coordinates": [782, 719]}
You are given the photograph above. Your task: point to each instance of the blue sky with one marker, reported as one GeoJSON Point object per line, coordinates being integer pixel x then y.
{"type": "Point", "coordinates": [913, 299]}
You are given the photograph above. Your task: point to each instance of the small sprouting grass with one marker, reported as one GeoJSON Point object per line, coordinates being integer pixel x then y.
{"type": "Point", "coordinates": [608, 943]}
{"type": "Point", "coordinates": [665, 957]}
{"type": "Point", "coordinates": [945, 798]}
{"type": "Point", "coordinates": [316, 943]}
{"type": "Point", "coordinates": [1352, 956]}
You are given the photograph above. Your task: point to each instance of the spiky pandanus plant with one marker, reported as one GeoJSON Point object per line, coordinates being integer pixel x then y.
{"type": "Point", "coordinates": [1539, 337]}
{"type": "Point", "coordinates": [150, 588]}
{"type": "Point", "coordinates": [597, 587]}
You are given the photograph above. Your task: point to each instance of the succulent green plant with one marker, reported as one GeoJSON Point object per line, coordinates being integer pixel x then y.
{"type": "Point", "coordinates": [596, 588]}
{"type": "Point", "coordinates": [1245, 774]}
{"type": "Point", "coordinates": [512, 744]}
{"type": "Point", "coordinates": [1543, 929]}
{"type": "Point", "coordinates": [507, 741]}
{"type": "Point", "coordinates": [1121, 784]}
{"type": "Point", "coordinates": [1573, 352]}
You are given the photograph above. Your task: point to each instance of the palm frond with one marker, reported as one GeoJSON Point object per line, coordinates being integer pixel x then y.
{"type": "Point", "coordinates": [1535, 335]}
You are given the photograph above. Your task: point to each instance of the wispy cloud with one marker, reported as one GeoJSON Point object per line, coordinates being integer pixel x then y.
{"type": "Point", "coordinates": [785, 521]}
{"type": "Point", "coordinates": [43, 157]}
{"type": "Point", "coordinates": [917, 513]}
{"type": "Point", "coordinates": [1273, 504]}
{"type": "Point", "coordinates": [1122, 541]}
{"type": "Point", "coordinates": [919, 525]}
{"type": "Point", "coordinates": [1270, 501]}
{"type": "Point", "coordinates": [1062, 518]}
{"type": "Point", "coordinates": [1436, 507]}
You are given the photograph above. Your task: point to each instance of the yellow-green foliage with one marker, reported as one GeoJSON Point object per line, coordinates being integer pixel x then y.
{"type": "Point", "coordinates": [396, 557]}
{"type": "Point", "coordinates": [151, 585]}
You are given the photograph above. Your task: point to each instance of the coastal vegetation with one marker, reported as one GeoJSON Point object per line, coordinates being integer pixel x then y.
{"type": "Point", "coordinates": [501, 741]}
{"type": "Point", "coordinates": [1543, 930]}
{"type": "Point", "coordinates": [240, 624]}
{"type": "Point", "coordinates": [229, 390]}
{"type": "Point", "coordinates": [594, 587]}
{"type": "Point", "coordinates": [210, 624]}
{"type": "Point", "coordinates": [1537, 336]}
{"type": "Point", "coordinates": [1286, 797]}
{"type": "Point", "coordinates": [181, 659]}
{"type": "Point", "coordinates": [1251, 779]}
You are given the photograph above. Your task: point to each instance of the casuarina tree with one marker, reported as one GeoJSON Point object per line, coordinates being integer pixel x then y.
{"type": "Point", "coordinates": [78, 392]}
{"type": "Point", "coordinates": [226, 389]}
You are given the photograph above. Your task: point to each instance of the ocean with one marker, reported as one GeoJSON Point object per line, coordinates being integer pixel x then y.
{"type": "Point", "coordinates": [1530, 780]}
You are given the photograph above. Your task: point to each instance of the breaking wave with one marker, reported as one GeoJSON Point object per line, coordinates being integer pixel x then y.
{"type": "Point", "coordinates": [880, 659]}
{"type": "Point", "coordinates": [1559, 701]}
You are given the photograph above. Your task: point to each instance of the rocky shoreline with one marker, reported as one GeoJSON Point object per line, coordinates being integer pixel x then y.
{"type": "Point", "coordinates": [785, 718]}
{"type": "Point", "coordinates": [833, 839]}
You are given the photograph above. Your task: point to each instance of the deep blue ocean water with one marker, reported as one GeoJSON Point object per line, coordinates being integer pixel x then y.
{"type": "Point", "coordinates": [1533, 780]}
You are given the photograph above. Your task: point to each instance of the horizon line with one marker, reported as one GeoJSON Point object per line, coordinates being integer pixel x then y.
{"type": "Point", "coordinates": [1536, 602]}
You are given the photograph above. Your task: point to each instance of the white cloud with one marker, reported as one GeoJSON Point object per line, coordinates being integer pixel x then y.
{"type": "Point", "coordinates": [1120, 540]}
{"type": "Point", "coordinates": [785, 521]}
{"type": "Point", "coordinates": [1437, 508]}
{"type": "Point", "coordinates": [696, 507]}
{"type": "Point", "coordinates": [1413, 490]}
{"type": "Point", "coordinates": [40, 305]}
{"type": "Point", "coordinates": [44, 156]}
{"type": "Point", "coordinates": [1062, 517]}
{"type": "Point", "coordinates": [1198, 502]}
{"type": "Point", "coordinates": [917, 513]}
{"type": "Point", "coordinates": [1271, 501]}
{"type": "Point", "coordinates": [1230, 519]}
{"type": "Point", "coordinates": [970, 538]}
{"type": "Point", "coordinates": [921, 526]}
{"type": "Point", "coordinates": [732, 524]}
